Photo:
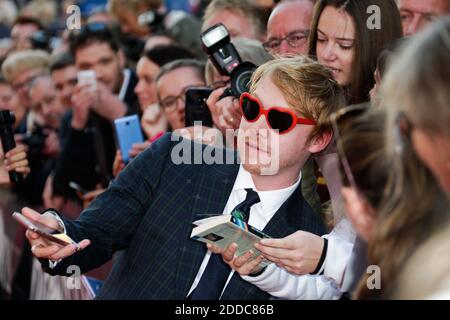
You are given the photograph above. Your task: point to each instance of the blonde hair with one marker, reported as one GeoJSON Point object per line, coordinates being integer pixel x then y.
{"type": "Point", "coordinates": [413, 208]}
{"type": "Point", "coordinates": [20, 62]}
{"type": "Point", "coordinates": [249, 49]}
{"type": "Point", "coordinates": [245, 8]}
{"type": "Point", "coordinates": [307, 86]}
{"type": "Point", "coordinates": [417, 83]}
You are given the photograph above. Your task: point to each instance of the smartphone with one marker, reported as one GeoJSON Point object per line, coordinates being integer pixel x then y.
{"type": "Point", "coordinates": [128, 132]}
{"type": "Point", "coordinates": [87, 77]}
{"type": "Point", "coordinates": [43, 230]}
{"type": "Point", "coordinates": [77, 187]}
{"type": "Point", "coordinates": [196, 108]}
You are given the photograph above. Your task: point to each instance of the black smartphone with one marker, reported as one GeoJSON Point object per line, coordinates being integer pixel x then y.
{"type": "Point", "coordinates": [196, 108]}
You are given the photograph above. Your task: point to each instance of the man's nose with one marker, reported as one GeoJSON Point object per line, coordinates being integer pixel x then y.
{"type": "Point", "coordinates": [260, 124]}
{"type": "Point", "coordinates": [181, 104]}
{"type": "Point", "coordinates": [98, 73]}
{"type": "Point", "coordinates": [284, 47]}
{"type": "Point", "coordinates": [414, 26]}
{"type": "Point", "coordinates": [46, 110]}
{"type": "Point", "coordinates": [67, 92]}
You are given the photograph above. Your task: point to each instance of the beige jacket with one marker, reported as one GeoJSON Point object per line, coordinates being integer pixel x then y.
{"type": "Point", "coordinates": [426, 275]}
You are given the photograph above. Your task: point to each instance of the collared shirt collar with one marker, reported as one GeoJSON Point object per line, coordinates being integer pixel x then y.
{"type": "Point", "coordinates": [270, 200]}
{"type": "Point", "coordinates": [125, 82]}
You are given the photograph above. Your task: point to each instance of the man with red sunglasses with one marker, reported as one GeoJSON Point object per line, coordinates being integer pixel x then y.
{"type": "Point", "coordinates": [147, 211]}
{"type": "Point", "coordinates": [293, 100]}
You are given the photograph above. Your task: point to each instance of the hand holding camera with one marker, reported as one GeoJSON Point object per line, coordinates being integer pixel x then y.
{"type": "Point", "coordinates": [225, 112]}
{"type": "Point", "coordinates": [230, 112]}
{"type": "Point", "coordinates": [15, 156]}
{"type": "Point", "coordinates": [222, 103]}
{"type": "Point", "coordinates": [15, 161]}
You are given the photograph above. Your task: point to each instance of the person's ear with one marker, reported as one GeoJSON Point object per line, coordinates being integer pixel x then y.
{"type": "Point", "coordinates": [320, 142]}
{"type": "Point", "coordinates": [359, 212]}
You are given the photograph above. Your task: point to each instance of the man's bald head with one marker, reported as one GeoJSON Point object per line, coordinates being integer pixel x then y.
{"type": "Point", "coordinates": [293, 19]}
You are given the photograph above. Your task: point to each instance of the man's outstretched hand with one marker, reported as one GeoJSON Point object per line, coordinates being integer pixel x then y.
{"type": "Point", "coordinates": [44, 249]}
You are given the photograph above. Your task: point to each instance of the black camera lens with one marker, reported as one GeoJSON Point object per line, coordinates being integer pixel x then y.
{"type": "Point", "coordinates": [242, 82]}
{"type": "Point", "coordinates": [240, 78]}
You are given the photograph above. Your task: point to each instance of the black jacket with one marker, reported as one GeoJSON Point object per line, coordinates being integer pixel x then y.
{"type": "Point", "coordinates": [147, 213]}
{"type": "Point", "coordinates": [87, 155]}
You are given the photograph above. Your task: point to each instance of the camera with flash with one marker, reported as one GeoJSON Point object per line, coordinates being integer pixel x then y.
{"type": "Point", "coordinates": [225, 58]}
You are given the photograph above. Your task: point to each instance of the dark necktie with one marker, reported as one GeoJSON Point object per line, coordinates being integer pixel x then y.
{"type": "Point", "coordinates": [216, 273]}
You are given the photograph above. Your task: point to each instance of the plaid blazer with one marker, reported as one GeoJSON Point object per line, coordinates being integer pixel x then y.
{"type": "Point", "coordinates": [147, 215]}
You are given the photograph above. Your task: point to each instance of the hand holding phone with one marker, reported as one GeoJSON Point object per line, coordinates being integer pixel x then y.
{"type": "Point", "coordinates": [196, 108]}
{"type": "Point", "coordinates": [128, 132]}
{"type": "Point", "coordinates": [88, 78]}
{"type": "Point", "coordinates": [45, 243]}
{"type": "Point", "coordinates": [44, 230]}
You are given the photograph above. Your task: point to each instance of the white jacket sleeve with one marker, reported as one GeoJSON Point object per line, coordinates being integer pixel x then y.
{"type": "Point", "coordinates": [284, 285]}
{"type": "Point", "coordinates": [340, 247]}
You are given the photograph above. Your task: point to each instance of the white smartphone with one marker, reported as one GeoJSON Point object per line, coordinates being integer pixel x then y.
{"type": "Point", "coordinates": [87, 77]}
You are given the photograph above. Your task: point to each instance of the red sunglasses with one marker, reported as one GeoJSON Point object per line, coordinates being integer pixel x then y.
{"type": "Point", "coordinates": [281, 119]}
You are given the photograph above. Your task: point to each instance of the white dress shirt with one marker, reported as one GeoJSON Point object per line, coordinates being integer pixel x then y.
{"type": "Point", "coordinates": [125, 83]}
{"type": "Point", "coordinates": [260, 213]}
{"type": "Point", "coordinates": [341, 241]}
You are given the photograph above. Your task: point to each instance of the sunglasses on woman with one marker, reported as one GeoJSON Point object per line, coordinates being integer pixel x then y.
{"type": "Point", "coordinates": [280, 119]}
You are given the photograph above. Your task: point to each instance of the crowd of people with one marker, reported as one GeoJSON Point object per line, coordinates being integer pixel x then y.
{"type": "Point", "coordinates": [354, 117]}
